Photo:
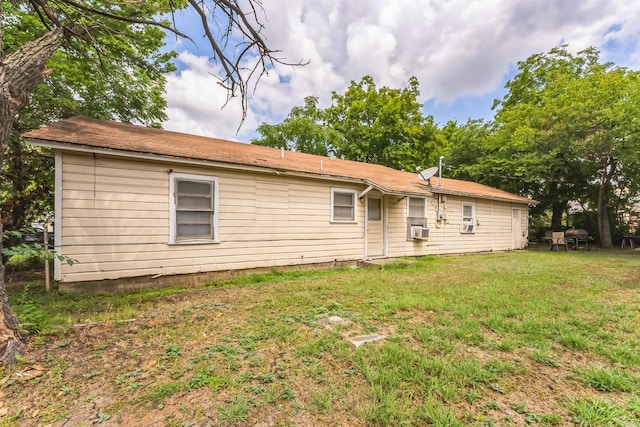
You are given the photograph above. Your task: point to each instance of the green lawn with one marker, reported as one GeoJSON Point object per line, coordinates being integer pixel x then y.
{"type": "Point", "coordinates": [525, 338]}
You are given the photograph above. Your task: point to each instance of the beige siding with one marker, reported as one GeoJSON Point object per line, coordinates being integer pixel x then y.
{"type": "Point", "coordinates": [115, 221]}
{"type": "Point", "coordinates": [492, 230]}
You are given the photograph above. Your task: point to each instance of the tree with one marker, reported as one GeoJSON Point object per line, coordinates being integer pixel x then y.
{"type": "Point", "coordinates": [126, 93]}
{"type": "Point", "coordinates": [305, 130]}
{"type": "Point", "coordinates": [566, 125]}
{"type": "Point", "coordinates": [383, 126]}
{"type": "Point", "coordinates": [366, 124]}
{"type": "Point", "coordinates": [92, 31]}
{"type": "Point", "coordinates": [463, 146]}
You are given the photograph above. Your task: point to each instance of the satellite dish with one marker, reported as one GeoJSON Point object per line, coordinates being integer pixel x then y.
{"type": "Point", "coordinates": [427, 173]}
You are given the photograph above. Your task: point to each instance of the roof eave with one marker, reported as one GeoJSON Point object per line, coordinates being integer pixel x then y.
{"type": "Point", "coordinates": [484, 196]}
{"type": "Point", "coordinates": [80, 148]}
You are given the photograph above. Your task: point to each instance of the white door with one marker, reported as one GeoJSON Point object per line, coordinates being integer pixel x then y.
{"type": "Point", "coordinates": [516, 229]}
{"type": "Point", "coordinates": [375, 227]}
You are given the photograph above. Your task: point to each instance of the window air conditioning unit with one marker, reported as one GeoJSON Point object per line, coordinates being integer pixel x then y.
{"type": "Point", "coordinates": [420, 233]}
{"type": "Point", "coordinates": [467, 228]}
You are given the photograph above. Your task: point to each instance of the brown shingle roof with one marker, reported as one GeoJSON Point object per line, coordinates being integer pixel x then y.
{"type": "Point", "coordinates": [84, 133]}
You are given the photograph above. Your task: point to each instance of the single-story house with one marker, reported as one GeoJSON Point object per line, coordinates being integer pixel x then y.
{"type": "Point", "coordinates": [139, 202]}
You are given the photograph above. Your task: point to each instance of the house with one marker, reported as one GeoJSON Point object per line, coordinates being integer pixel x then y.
{"type": "Point", "coordinates": [136, 202]}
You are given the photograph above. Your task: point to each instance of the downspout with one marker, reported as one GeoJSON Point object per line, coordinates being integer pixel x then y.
{"type": "Point", "coordinates": [57, 216]}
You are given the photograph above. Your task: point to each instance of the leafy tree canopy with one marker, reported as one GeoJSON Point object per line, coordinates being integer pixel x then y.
{"type": "Point", "coordinates": [124, 80]}
{"type": "Point", "coordinates": [305, 130]}
{"type": "Point", "coordinates": [566, 127]}
{"type": "Point", "coordinates": [366, 123]}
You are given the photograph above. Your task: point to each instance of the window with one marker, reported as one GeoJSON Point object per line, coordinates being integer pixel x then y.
{"type": "Point", "coordinates": [343, 205]}
{"type": "Point", "coordinates": [374, 209]}
{"type": "Point", "coordinates": [417, 207]}
{"type": "Point", "coordinates": [468, 218]}
{"type": "Point", "coordinates": [194, 203]}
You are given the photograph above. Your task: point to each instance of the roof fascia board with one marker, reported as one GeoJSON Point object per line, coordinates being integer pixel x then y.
{"type": "Point", "coordinates": [388, 192]}
{"type": "Point", "coordinates": [480, 196]}
{"type": "Point", "coordinates": [181, 160]}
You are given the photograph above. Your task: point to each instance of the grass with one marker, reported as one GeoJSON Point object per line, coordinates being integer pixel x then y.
{"type": "Point", "coordinates": [527, 338]}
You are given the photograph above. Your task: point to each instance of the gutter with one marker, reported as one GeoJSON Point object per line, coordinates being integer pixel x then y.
{"type": "Point", "coordinates": [61, 146]}
{"type": "Point", "coordinates": [485, 197]}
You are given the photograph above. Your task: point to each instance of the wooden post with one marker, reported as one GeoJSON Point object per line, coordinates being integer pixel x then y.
{"type": "Point", "coordinates": [46, 257]}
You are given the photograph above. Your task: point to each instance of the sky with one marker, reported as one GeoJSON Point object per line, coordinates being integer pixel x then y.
{"type": "Point", "coordinates": [461, 51]}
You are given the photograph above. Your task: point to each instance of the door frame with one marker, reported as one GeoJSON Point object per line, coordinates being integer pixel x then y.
{"type": "Point", "coordinates": [383, 225]}
{"type": "Point", "coordinates": [516, 232]}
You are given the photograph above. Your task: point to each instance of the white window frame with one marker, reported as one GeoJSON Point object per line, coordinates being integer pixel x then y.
{"type": "Point", "coordinates": [468, 220]}
{"type": "Point", "coordinates": [174, 177]}
{"type": "Point", "coordinates": [354, 198]}
{"type": "Point", "coordinates": [424, 207]}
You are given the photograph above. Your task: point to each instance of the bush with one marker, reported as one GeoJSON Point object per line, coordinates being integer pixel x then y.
{"type": "Point", "coordinates": [29, 312]}
{"type": "Point", "coordinates": [21, 262]}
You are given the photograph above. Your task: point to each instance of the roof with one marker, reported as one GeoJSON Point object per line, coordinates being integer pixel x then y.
{"type": "Point", "coordinates": [94, 135]}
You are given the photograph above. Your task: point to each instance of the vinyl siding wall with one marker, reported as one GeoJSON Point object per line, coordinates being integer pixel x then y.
{"type": "Point", "coordinates": [115, 217]}
{"type": "Point", "coordinates": [115, 221]}
{"type": "Point", "coordinates": [493, 229]}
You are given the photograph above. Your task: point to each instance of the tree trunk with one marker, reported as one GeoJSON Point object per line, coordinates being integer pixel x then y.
{"type": "Point", "coordinates": [556, 215]}
{"type": "Point", "coordinates": [604, 226]}
{"type": "Point", "coordinates": [11, 339]}
{"type": "Point", "coordinates": [20, 73]}
{"type": "Point", "coordinates": [16, 206]}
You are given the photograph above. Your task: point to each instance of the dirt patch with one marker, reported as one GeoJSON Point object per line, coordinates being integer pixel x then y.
{"type": "Point", "coordinates": [234, 356]}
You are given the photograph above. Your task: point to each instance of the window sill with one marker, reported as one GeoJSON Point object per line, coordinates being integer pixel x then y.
{"type": "Point", "coordinates": [193, 242]}
{"type": "Point", "coordinates": [342, 222]}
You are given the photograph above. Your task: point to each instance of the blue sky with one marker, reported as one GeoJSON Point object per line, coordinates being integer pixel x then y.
{"type": "Point", "coordinates": [461, 51]}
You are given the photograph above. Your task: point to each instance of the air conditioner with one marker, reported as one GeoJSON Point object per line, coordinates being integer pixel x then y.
{"type": "Point", "coordinates": [420, 233]}
{"type": "Point", "coordinates": [467, 228]}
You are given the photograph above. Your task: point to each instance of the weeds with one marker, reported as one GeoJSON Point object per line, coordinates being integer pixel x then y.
{"type": "Point", "coordinates": [479, 330]}
{"type": "Point", "coordinates": [595, 412]}
{"type": "Point", "coordinates": [609, 379]}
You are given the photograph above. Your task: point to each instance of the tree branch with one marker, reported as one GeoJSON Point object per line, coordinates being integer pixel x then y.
{"type": "Point", "coordinates": [125, 18]}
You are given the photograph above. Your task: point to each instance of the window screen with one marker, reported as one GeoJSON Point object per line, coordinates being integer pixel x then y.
{"type": "Point", "coordinates": [344, 206]}
{"type": "Point", "coordinates": [416, 207]}
{"type": "Point", "coordinates": [194, 205]}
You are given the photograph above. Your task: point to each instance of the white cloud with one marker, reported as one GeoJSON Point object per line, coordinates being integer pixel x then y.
{"type": "Point", "coordinates": [196, 100]}
{"type": "Point", "coordinates": [456, 48]}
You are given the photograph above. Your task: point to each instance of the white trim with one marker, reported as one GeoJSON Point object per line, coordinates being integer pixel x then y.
{"type": "Point", "coordinates": [523, 201]}
{"type": "Point", "coordinates": [365, 191]}
{"type": "Point", "coordinates": [172, 207]}
{"type": "Point", "coordinates": [383, 224]}
{"type": "Point", "coordinates": [464, 224]}
{"type": "Point", "coordinates": [70, 147]}
{"type": "Point", "coordinates": [57, 216]}
{"type": "Point", "coordinates": [187, 161]}
{"type": "Point", "coordinates": [366, 227]}
{"type": "Point", "coordinates": [354, 194]}
{"type": "Point", "coordinates": [521, 235]}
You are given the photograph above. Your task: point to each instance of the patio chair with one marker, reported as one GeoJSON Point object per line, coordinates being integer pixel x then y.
{"type": "Point", "coordinates": [533, 241]}
{"type": "Point", "coordinates": [557, 240]}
